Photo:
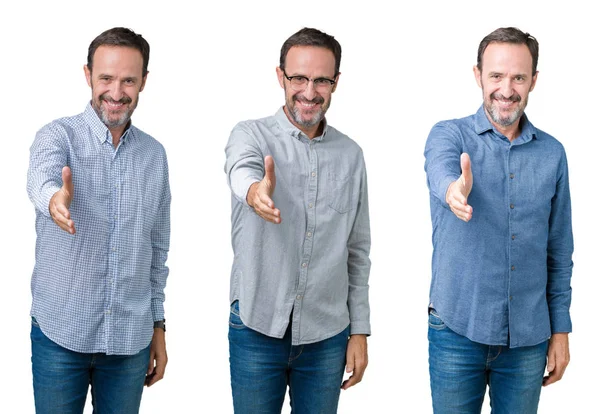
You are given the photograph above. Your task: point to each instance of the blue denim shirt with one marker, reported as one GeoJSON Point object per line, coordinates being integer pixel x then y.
{"type": "Point", "coordinates": [504, 277]}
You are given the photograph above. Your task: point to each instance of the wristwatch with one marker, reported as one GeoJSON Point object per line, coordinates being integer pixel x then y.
{"type": "Point", "coordinates": [160, 324]}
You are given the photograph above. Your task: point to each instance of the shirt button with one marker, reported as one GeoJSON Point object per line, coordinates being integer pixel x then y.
{"type": "Point", "coordinates": [510, 298]}
{"type": "Point", "coordinates": [512, 237]}
{"type": "Point", "coordinates": [310, 205]}
{"type": "Point", "coordinates": [512, 206]}
{"type": "Point", "coordinates": [304, 264]}
{"type": "Point", "coordinates": [114, 249]}
{"type": "Point", "coordinates": [512, 176]}
{"type": "Point", "coordinates": [309, 234]}
{"type": "Point", "coordinates": [299, 297]}
{"type": "Point", "coordinates": [512, 268]}
{"type": "Point", "coordinates": [108, 312]}
{"type": "Point", "coordinates": [314, 174]}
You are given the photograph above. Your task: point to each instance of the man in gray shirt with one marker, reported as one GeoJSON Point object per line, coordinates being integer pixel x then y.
{"type": "Point", "coordinates": [301, 240]}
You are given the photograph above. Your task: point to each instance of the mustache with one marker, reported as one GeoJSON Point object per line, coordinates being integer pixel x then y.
{"type": "Point", "coordinates": [315, 100]}
{"type": "Point", "coordinates": [512, 98]}
{"type": "Point", "coordinates": [123, 100]}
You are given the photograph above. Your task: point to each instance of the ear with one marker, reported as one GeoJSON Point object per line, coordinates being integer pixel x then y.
{"type": "Point", "coordinates": [337, 79]}
{"type": "Point", "coordinates": [477, 74]}
{"type": "Point", "coordinates": [279, 76]}
{"type": "Point", "coordinates": [144, 81]}
{"type": "Point", "coordinates": [88, 75]}
{"type": "Point", "coordinates": [533, 81]}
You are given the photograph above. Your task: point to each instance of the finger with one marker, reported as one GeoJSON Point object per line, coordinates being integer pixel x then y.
{"type": "Point", "coordinates": [150, 363]}
{"type": "Point", "coordinates": [158, 374]}
{"type": "Point", "coordinates": [264, 199]}
{"type": "Point", "coordinates": [269, 217]}
{"type": "Point", "coordinates": [63, 222]}
{"type": "Point", "coordinates": [67, 178]}
{"type": "Point", "coordinates": [551, 362]}
{"type": "Point", "coordinates": [270, 171]}
{"type": "Point", "coordinates": [349, 364]}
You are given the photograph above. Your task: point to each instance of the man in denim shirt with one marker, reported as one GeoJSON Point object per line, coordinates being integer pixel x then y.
{"type": "Point", "coordinates": [502, 243]}
{"type": "Point", "coordinates": [301, 241]}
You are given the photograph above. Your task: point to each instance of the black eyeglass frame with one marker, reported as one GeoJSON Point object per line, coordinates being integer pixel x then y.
{"type": "Point", "coordinates": [307, 79]}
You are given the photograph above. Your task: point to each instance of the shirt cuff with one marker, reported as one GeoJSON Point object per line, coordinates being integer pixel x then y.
{"type": "Point", "coordinates": [360, 328]}
{"type": "Point", "coordinates": [158, 310]}
{"type": "Point", "coordinates": [45, 196]}
{"type": "Point", "coordinates": [561, 322]}
{"type": "Point", "coordinates": [242, 187]}
{"type": "Point", "coordinates": [443, 188]}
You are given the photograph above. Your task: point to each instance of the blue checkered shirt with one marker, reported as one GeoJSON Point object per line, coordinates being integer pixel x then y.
{"type": "Point", "coordinates": [101, 289]}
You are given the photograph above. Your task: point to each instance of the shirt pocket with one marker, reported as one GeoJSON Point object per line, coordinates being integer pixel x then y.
{"type": "Point", "coordinates": [343, 195]}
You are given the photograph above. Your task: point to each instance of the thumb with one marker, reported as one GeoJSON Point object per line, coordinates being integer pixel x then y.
{"type": "Point", "coordinates": [67, 178]}
{"type": "Point", "coordinates": [551, 362]}
{"type": "Point", "coordinates": [270, 171]}
{"type": "Point", "coordinates": [465, 166]}
{"type": "Point", "coordinates": [350, 364]}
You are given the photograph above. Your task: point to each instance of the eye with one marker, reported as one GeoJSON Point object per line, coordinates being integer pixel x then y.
{"type": "Point", "coordinates": [322, 82]}
{"type": "Point", "coordinates": [129, 81]}
{"type": "Point", "coordinates": [519, 78]}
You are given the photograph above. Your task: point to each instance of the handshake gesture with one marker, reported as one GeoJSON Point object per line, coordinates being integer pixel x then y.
{"type": "Point", "coordinates": [61, 201]}
{"type": "Point", "coordinates": [459, 190]}
{"type": "Point", "coordinates": [259, 194]}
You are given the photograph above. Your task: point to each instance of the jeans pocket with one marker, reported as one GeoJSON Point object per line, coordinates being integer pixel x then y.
{"type": "Point", "coordinates": [34, 322]}
{"type": "Point", "coordinates": [234, 316]}
{"type": "Point", "coordinates": [435, 322]}
{"type": "Point", "coordinates": [342, 198]}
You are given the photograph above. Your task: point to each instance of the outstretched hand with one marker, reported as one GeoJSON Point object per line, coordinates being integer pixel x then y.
{"type": "Point", "coordinates": [259, 194]}
{"type": "Point", "coordinates": [61, 201]}
{"type": "Point", "coordinates": [459, 190]}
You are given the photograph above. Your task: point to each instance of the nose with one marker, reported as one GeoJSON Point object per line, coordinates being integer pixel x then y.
{"type": "Point", "coordinates": [309, 92]}
{"type": "Point", "coordinates": [506, 88]}
{"type": "Point", "coordinates": [116, 91]}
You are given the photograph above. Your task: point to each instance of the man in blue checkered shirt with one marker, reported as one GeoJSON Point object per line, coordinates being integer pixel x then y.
{"type": "Point", "coordinates": [101, 193]}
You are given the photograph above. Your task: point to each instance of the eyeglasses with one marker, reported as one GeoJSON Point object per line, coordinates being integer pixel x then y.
{"type": "Point", "coordinates": [300, 83]}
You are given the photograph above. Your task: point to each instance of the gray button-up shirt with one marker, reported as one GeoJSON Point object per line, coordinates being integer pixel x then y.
{"type": "Point", "coordinates": [314, 265]}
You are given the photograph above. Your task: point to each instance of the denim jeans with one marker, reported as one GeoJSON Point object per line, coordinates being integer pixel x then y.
{"type": "Point", "coordinates": [61, 378]}
{"type": "Point", "coordinates": [262, 367]}
{"type": "Point", "coordinates": [460, 370]}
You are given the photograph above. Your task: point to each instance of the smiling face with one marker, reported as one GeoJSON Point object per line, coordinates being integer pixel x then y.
{"type": "Point", "coordinates": [506, 79]}
{"type": "Point", "coordinates": [116, 81]}
{"type": "Point", "coordinates": [306, 108]}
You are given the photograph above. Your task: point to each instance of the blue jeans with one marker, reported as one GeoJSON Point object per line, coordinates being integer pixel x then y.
{"type": "Point", "coordinates": [460, 370]}
{"type": "Point", "coordinates": [61, 378]}
{"type": "Point", "coordinates": [262, 367]}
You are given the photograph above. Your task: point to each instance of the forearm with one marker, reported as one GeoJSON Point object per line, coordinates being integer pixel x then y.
{"type": "Point", "coordinates": [48, 156]}
{"type": "Point", "coordinates": [442, 161]}
{"type": "Point", "coordinates": [244, 163]}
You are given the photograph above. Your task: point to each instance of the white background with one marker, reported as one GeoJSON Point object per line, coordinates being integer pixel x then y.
{"type": "Point", "coordinates": [404, 67]}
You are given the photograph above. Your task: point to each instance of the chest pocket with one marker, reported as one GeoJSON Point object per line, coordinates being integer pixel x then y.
{"type": "Point", "coordinates": [343, 196]}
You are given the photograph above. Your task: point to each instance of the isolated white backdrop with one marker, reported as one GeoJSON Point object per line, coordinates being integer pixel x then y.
{"type": "Point", "coordinates": [404, 67]}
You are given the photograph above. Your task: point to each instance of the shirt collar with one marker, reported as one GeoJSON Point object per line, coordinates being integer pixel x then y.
{"type": "Point", "coordinates": [99, 130]}
{"type": "Point", "coordinates": [483, 124]}
{"type": "Point", "coordinates": [294, 131]}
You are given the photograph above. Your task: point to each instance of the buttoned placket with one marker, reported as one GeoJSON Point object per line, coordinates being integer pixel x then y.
{"type": "Point", "coordinates": [311, 218]}
{"type": "Point", "coordinates": [114, 174]}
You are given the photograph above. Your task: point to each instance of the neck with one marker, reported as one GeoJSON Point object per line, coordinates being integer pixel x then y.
{"type": "Point", "coordinates": [310, 132]}
{"type": "Point", "coordinates": [511, 131]}
{"type": "Point", "coordinates": [117, 133]}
